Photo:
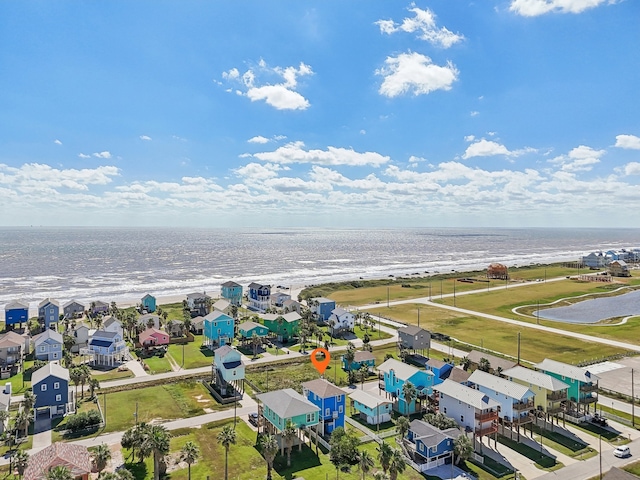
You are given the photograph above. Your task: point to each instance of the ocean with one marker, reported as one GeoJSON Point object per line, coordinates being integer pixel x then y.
{"type": "Point", "coordinates": [113, 264]}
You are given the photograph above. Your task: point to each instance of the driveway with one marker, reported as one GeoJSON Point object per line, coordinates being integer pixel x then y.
{"type": "Point", "coordinates": [41, 432]}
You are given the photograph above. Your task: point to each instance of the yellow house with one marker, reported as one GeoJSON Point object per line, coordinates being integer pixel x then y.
{"type": "Point", "coordinates": [550, 392]}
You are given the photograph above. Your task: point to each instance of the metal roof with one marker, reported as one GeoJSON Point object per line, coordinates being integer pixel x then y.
{"type": "Point", "coordinates": [287, 403]}
{"type": "Point", "coordinates": [500, 385]}
{"type": "Point", "coordinates": [466, 395]}
{"type": "Point", "coordinates": [566, 370]}
{"type": "Point", "coordinates": [536, 378]}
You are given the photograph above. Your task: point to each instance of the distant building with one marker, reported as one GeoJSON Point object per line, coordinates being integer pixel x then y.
{"type": "Point", "coordinates": [48, 312]}
{"type": "Point", "coordinates": [232, 292]}
{"type": "Point", "coordinates": [496, 363]}
{"type": "Point", "coordinates": [199, 303]}
{"type": "Point", "coordinates": [148, 320]}
{"type": "Point", "coordinates": [247, 329]}
{"type": "Point", "coordinates": [223, 306]}
{"type": "Point", "coordinates": [99, 307]}
{"type": "Point", "coordinates": [619, 268]}
{"type": "Point", "coordinates": [228, 369]}
{"type": "Point", "coordinates": [80, 338]}
{"type": "Point", "coordinates": [152, 337]}
{"type": "Point", "coordinates": [48, 345]}
{"type": "Point", "coordinates": [16, 312]}
{"type": "Point", "coordinates": [360, 358]}
{"type": "Point", "coordinates": [341, 321]}
{"type": "Point", "coordinates": [594, 260]}
{"type": "Point", "coordinates": [148, 303]}
{"type": "Point", "coordinates": [13, 347]}
{"type": "Point", "coordinates": [259, 296]}
{"type": "Point", "coordinates": [219, 329]}
{"type": "Point", "coordinates": [284, 325]}
{"type": "Point", "coordinates": [292, 306]}
{"type": "Point", "coordinates": [322, 307]}
{"type": "Point", "coordinates": [373, 408]}
{"type": "Point", "coordinates": [278, 299]}
{"type": "Point", "coordinates": [497, 271]}
{"type": "Point", "coordinates": [112, 324]}
{"type": "Point", "coordinates": [73, 309]}
{"type": "Point", "coordinates": [414, 338]}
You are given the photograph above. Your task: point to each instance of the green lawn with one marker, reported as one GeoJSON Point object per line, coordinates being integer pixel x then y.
{"type": "Point", "coordinates": [158, 364]}
{"type": "Point", "coordinates": [113, 374]}
{"type": "Point", "coordinates": [563, 444]}
{"type": "Point", "coordinates": [59, 424]}
{"type": "Point", "coordinates": [195, 355]}
{"type": "Point", "coordinates": [540, 460]}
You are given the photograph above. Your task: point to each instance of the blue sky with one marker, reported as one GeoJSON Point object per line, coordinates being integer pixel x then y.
{"type": "Point", "coordinates": [320, 113]}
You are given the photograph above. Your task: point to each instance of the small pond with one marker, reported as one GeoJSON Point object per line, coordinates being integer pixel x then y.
{"type": "Point", "coordinates": [593, 310]}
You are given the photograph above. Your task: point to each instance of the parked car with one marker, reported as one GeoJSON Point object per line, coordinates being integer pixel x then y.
{"type": "Point", "coordinates": [253, 419]}
{"type": "Point", "coordinates": [622, 452]}
{"type": "Point", "coordinates": [599, 420]}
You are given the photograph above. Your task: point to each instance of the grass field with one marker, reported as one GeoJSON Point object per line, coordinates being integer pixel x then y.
{"type": "Point", "coordinates": [158, 364]}
{"type": "Point", "coordinates": [113, 374]}
{"type": "Point", "coordinates": [535, 345]}
{"type": "Point", "coordinates": [540, 460]}
{"type": "Point", "coordinates": [194, 354]}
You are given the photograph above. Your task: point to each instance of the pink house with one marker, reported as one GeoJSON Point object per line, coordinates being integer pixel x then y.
{"type": "Point", "coordinates": [153, 337]}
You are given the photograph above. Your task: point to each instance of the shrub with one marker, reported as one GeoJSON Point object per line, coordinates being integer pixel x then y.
{"type": "Point", "coordinates": [83, 420]}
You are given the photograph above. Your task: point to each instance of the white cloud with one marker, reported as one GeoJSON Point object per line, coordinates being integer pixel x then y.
{"type": "Point", "coordinates": [474, 113]}
{"type": "Point", "coordinates": [533, 8]}
{"type": "Point", "coordinates": [57, 142]}
{"type": "Point", "coordinates": [415, 73]}
{"type": "Point", "coordinates": [102, 154]}
{"type": "Point", "coordinates": [83, 155]}
{"type": "Point", "coordinates": [295, 153]}
{"type": "Point", "coordinates": [281, 94]}
{"type": "Point", "coordinates": [632, 168]}
{"type": "Point", "coordinates": [258, 171]}
{"type": "Point", "coordinates": [363, 132]}
{"type": "Point", "coordinates": [489, 148]}
{"type": "Point", "coordinates": [469, 138]}
{"type": "Point", "coordinates": [258, 139]}
{"type": "Point", "coordinates": [628, 141]}
{"type": "Point", "coordinates": [37, 178]}
{"type": "Point", "coordinates": [423, 22]}
{"type": "Point", "coordinates": [145, 138]}
{"type": "Point", "coordinates": [579, 159]}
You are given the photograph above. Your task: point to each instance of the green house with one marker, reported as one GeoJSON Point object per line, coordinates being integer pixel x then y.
{"type": "Point", "coordinates": [583, 385]}
{"type": "Point", "coordinates": [247, 329]}
{"type": "Point", "coordinates": [284, 325]}
{"type": "Point", "coordinates": [279, 406]}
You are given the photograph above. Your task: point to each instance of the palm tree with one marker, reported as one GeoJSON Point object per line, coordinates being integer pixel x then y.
{"type": "Point", "coordinates": [255, 342]}
{"type": "Point", "coordinates": [85, 375]}
{"type": "Point", "coordinates": [380, 476]}
{"type": "Point", "coordinates": [101, 456]}
{"type": "Point", "coordinates": [22, 420]}
{"type": "Point", "coordinates": [402, 426]}
{"type": "Point", "coordinates": [226, 437]}
{"type": "Point", "coordinates": [397, 464]}
{"type": "Point", "coordinates": [365, 462]}
{"type": "Point", "coordinates": [75, 375]}
{"type": "Point", "coordinates": [364, 374]}
{"type": "Point", "coordinates": [94, 384]}
{"type": "Point", "coordinates": [21, 460]}
{"type": "Point", "coordinates": [270, 447]}
{"type": "Point", "coordinates": [288, 435]}
{"type": "Point", "coordinates": [120, 474]}
{"type": "Point", "coordinates": [484, 365]}
{"type": "Point", "coordinates": [158, 442]}
{"type": "Point", "coordinates": [385, 451]}
{"type": "Point", "coordinates": [135, 438]}
{"type": "Point", "coordinates": [466, 363]}
{"type": "Point", "coordinates": [29, 400]}
{"type": "Point", "coordinates": [59, 473]}
{"type": "Point", "coordinates": [189, 453]}
{"type": "Point", "coordinates": [409, 393]}
{"type": "Point", "coordinates": [462, 447]}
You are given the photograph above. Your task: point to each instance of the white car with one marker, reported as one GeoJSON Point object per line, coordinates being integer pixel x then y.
{"type": "Point", "coordinates": [622, 452]}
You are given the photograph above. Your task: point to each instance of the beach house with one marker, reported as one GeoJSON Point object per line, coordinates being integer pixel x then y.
{"type": "Point", "coordinates": [232, 292]}
{"type": "Point", "coordinates": [228, 369]}
{"type": "Point", "coordinates": [76, 458]}
{"type": "Point", "coordinates": [322, 308]}
{"type": "Point", "coordinates": [153, 337]}
{"type": "Point", "coordinates": [73, 309]}
{"type": "Point", "coordinates": [48, 345]}
{"type": "Point", "coordinates": [219, 329]}
{"type": "Point", "coordinates": [498, 271]}
{"type": "Point", "coordinates": [80, 338]}
{"type": "Point", "coordinates": [430, 446]}
{"type": "Point", "coordinates": [414, 338]}
{"type": "Point", "coordinates": [148, 320]}
{"type": "Point", "coordinates": [371, 407]}
{"type": "Point", "coordinates": [583, 385]}
{"type": "Point", "coordinates": [197, 325]}
{"type": "Point", "coordinates": [106, 349]}
{"type": "Point", "coordinates": [247, 329]}
{"type": "Point", "coordinates": [13, 347]}
{"type": "Point", "coordinates": [395, 375]}
{"type": "Point", "coordinates": [98, 307]}
{"type": "Point", "coordinates": [54, 396]}
{"type": "Point", "coordinates": [619, 268]}
{"type": "Point", "coordinates": [148, 303]}
{"type": "Point", "coordinates": [16, 312]}
{"type": "Point", "coordinates": [330, 400]}
{"type": "Point", "coordinates": [360, 358]}
{"type": "Point", "coordinates": [340, 321]}
{"type": "Point", "coordinates": [283, 325]}
{"type": "Point", "coordinates": [441, 370]}
{"type": "Point", "coordinates": [496, 364]}
{"type": "Point", "coordinates": [594, 260]}
{"type": "Point", "coordinates": [516, 400]}
{"type": "Point", "coordinates": [5, 405]}
{"type": "Point", "coordinates": [550, 392]}
{"type": "Point", "coordinates": [278, 299]}
{"type": "Point", "coordinates": [111, 324]}
{"type": "Point", "coordinates": [198, 303]}
{"type": "Point", "coordinates": [48, 312]}
{"type": "Point", "coordinates": [292, 306]}
{"type": "Point", "coordinates": [223, 306]}
{"type": "Point", "coordinates": [259, 296]}
{"type": "Point", "coordinates": [470, 408]}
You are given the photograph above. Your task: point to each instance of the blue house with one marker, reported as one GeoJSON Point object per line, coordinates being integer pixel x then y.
{"type": "Point", "coordinates": [51, 387]}
{"type": "Point", "coordinates": [432, 447]}
{"type": "Point", "coordinates": [322, 308]}
{"type": "Point", "coordinates": [359, 359]}
{"type": "Point", "coordinates": [148, 303]}
{"type": "Point", "coordinates": [232, 292]}
{"type": "Point", "coordinates": [330, 400]}
{"type": "Point", "coordinates": [48, 312]}
{"type": "Point", "coordinates": [373, 408]}
{"type": "Point", "coordinates": [106, 348]}
{"type": "Point", "coordinates": [48, 345]}
{"type": "Point", "coordinates": [228, 370]}
{"type": "Point", "coordinates": [396, 374]}
{"type": "Point", "coordinates": [259, 296]}
{"type": "Point", "coordinates": [16, 312]}
{"type": "Point", "coordinates": [218, 329]}
{"type": "Point", "coordinates": [441, 370]}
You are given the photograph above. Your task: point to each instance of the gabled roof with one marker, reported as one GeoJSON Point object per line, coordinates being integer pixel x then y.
{"type": "Point", "coordinates": [369, 400]}
{"type": "Point", "coordinates": [196, 321]}
{"type": "Point", "coordinates": [458, 375]}
{"type": "Point", "coordinates": [148, 295]}
{"type": "Point", "coordinates": [71, 302]}
{"type": "Point", "coordinates": [323, 388]}
{"type": "Point", "coordinates": [536, 378]}
{"type": "Point", "coordinates": [215, 315]}
{"type": "Point", "coordinates": [46, 301]}
{"type": "Point", "coordinates": [435, 363]}
{"type": "Point", "coordinates": [75, 457]}
{"type": "Point", "coordinates": [413, 330]}
{"type": "Point", "coordinates": [257, 286]}
{"type": "Point", "coordinates": [287, 403]}
{"type": "Point", "coordinates": [150, 333]}
{"type": "Point", "coordinates": [48, 334]}
{"type": "Point", "coordinates": [221, 304]}
{"type": "Point", "coordinates": [16, 305]}
{"type": "Point", "coordinates": [11, 339]}
{"type": "Point", "coordinates": [51, 369]}
{"type": "Point", "coordinates": [249, 325]}
{"type": "Point", "coordinates": [429, 435]}
{"type": "Point", "coordinates": [105, 334]}
{"type": "Point", "coordinates": [145, 318]}
{"type": "Point", "coordinates": [289, 302]}
{"type": "Point", "coordinates": [223, 351]}
{"type": "Point", "coordinates": [363, 356]}
{"type": "Point", "coordinates": [197, 296]}
{"type": "Point", "coordinates": [110, 320]}
{"type": "Point", "coordinates": [495, 362]}
{"type": "Point", "coordinates": [567, 370]}
{"type": "Point", "coordinates": [231, 284]}
{"type": "Point", "coordinates": [323, 300]}
{"type": "Point", "coordinates": [288, 317]}
{"type": "Point", "coordinates": [100, 303]}
{"type": "Point", "coordinates": [402, 370]}
{"type": "Point", "coordinates": [500, 385]}
{"type": "Point", "coordinates": [338, 312]}
{"type": "Point", "coordinates": [467, 395]}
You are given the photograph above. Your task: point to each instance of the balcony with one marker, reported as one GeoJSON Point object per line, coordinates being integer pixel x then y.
{"type": "Point", "coordinates": [587, 399]}
{"type": "Point", "coordinates": [522, 420]}
{"type": "Point", "coordinates": [588, 387]}
{"type": "Point", "coordinates": [481, 432]}
{"type": "Point", "coordinates": [557, 396]}
{"type": "Point", "coordinates": [523, 406]}
{"type": "Point", "coordinates": [555, 409]}
{"type": "Point", "coordinates": [487, 416]}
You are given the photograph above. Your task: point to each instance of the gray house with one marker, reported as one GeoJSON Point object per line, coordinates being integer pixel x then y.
{"type": "Point", "coordinates": [414, 338]}
{"type": "Point", "coordinates": [51, 388]}
{"type": "Point", "coordinates": [80, 337]}
{"type": "Point", "coordinates": [48, 345]}
{"type": "Point", "coordinates": [72, 309]}
{"type": "Point", "coordinates": [48, 312]}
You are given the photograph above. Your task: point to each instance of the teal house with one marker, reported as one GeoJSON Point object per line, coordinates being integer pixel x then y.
{"type": "Point", "coordinates": [359, 359]}
{"type": "Point", "coordinates": [583, 385]}
{"type": "Point", "coordinates": [218, 330]}
{"type": "Point", "coordinates": [232, 292]}
{"type": "Point", "coordinates": [396, 375]}
{"type": "Point", "coordinates": [148, 303]}
{"type": "Point", "coordinates": [247, 329]}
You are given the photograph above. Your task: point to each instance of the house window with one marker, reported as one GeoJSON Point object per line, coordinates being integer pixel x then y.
{"type": "Point", "coordinates": [445, 409]}
{"type": "Point", "coordinates": [55, 355]}
{"type": "Point", "coordinates": [56, 385]}
{"type": "Point", "coordinates": [42, 348]}
{"type": "Point", "coordinates": [310, 417]}
{"type": "Point", "coordinates": [58, 398]}
{"type": "Point", "coordinates": [327, 412]}
{"type": "Point", "coordinates": [340, 409]}
{"type": "Point", "coordinates": [218, 331]}
{"type": "Point", "coordinates": [228, 322]}
{"type": "Point", "coordinates": [43, 387]}
{"type": "Point", "coordinates": [461, 418]}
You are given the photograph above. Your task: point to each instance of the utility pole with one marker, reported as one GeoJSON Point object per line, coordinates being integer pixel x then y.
{"type": "Point", "coordinates": [600, 448]}
{"type": "Point", "coordinates": [419, 320]}
{"type": "Point", "coordinates": [633, 414]}
{"type": "Point", "coordinates": [518, 348]}
{"type": "Point", "coordinates": [387, 297]}
{"type": "Point", "coordinates": [454, 292]}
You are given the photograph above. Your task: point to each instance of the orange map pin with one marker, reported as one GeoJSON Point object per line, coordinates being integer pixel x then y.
{"type": "Point", "coordinates": [320, 365]}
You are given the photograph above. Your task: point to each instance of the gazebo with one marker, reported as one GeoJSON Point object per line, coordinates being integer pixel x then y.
{"type": "Point", "coordinates": [497, 271]}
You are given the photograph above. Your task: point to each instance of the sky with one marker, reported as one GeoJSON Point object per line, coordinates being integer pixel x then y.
{"type": "Point", "coordinates": [332, 113]}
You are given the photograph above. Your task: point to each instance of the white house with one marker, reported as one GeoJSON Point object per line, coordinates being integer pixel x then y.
{"type": "Point", "coordinates": [341, 320]}
{"type": "Point", "coordinates": [112, 324]}
{"type": "Point", "coordinates": [228, 368]}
